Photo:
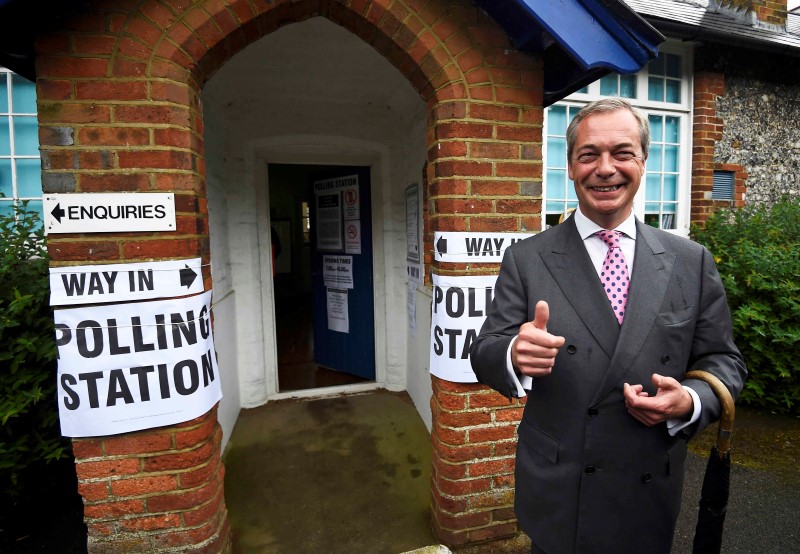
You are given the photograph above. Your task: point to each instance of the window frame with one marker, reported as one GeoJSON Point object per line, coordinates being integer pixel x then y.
{"type": "Point", "coordinates": [683, 111]}
{"type": "Point", "coordinates": [9, 113]}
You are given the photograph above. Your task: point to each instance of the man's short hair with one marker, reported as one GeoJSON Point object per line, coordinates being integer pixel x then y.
{"type": "Point", "coordinates": [608, 105]}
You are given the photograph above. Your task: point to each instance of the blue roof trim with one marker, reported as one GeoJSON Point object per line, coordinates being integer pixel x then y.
{"type": "Point", "coordinates": [580, 40]}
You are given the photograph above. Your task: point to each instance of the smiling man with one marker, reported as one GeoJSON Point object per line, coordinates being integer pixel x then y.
{"type": "Point", "coordinates": [597, 320]}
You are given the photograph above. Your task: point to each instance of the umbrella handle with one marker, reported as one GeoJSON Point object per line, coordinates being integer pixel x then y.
{"type": "Point", "coordinates": [725, 429]}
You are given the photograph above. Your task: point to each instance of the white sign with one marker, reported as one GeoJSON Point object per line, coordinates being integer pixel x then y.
{"type": "Point", "coordinates": [90, 284]}
{"type": "Point", "coordinates": [127, 367]}
{"type": "Point", "coordinates": [350, 202]}
{"type": "Point", "coordinates": [412, 224]}
{"type": "Point", "coordinates": [352, 237]}
{"type": "Point", "coordinates": [414, 272]}
{"type": "Point", "coordinates": [329, 221]}
{"type": "Point", "coordinates": [338, 313]}
{"type": "Point", "coordinates": [411, 308]}
{"type": "Point", "coordinates": [337, 272]}
{"type": "Point", "coordinates": [458, 312]}
{"type": "Point", "coordinates": [471, 247]}
{"type": "Point", "coordinates": [108, 212]}
{"type": "Point", "coordinates": [336, 183]}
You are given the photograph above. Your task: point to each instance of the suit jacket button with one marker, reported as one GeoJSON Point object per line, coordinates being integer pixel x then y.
{"type": "Point", "coordinates": [592, 412]}
{"type": "Point", "coordinates": [665, 359]}
{"type": "Point", "coordinates": [571, 349]}
{"type": "Point", "coordinates": [646, 477]}
{"type": "Point", "coordinates": [589, 470]}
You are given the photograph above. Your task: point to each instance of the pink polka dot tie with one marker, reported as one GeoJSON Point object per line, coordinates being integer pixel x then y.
{"type": "Point", "coordinates": [614, 273]}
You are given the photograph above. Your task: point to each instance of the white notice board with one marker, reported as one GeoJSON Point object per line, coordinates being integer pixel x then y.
{"type": "Point", "coordinates": [108, 212]}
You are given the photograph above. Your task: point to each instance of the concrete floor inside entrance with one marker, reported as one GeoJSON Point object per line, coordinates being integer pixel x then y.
{"type": "Point", "coordinates": [336, 475]}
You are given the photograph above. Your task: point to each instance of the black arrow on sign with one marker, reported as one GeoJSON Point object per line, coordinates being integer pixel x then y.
{"type": "Point", "coordinates": [187, 277]}
{"type": "Point", "coordinates": [441, 245]}
{"type": "Point", "coordinates": [58, 213]}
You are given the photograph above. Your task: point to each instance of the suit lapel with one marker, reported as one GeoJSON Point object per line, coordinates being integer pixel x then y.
{"type": "Point", "coordinates": [652, 269]}
{"type": "Point", "coordinates": [571, 267]}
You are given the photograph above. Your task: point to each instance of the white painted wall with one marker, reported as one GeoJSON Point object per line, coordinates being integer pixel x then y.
{"type": "Point", "coordinates": [309, 93]}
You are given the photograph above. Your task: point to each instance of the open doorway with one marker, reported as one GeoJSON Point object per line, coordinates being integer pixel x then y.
{"type": "Point", "coordinates": [320, 225]}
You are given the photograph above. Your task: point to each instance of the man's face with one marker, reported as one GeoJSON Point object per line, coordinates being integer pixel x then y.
{"type": "Point", "coordinates": [607, 166]}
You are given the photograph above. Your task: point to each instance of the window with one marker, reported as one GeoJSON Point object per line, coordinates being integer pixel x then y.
{"type": "Point", "coordinates": [662, 91]}
{"type": "Point", "coordinates": [560, 189]}
{"type": "Point", "coordinates": [20, 167]}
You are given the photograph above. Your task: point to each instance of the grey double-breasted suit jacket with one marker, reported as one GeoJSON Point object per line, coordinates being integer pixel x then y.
{"type": "Point", "coordinates": [589, 477]}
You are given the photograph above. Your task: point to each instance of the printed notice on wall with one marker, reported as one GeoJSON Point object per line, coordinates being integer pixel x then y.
{"type": "Point", "coordinates": [337, 272]}
{"type": "Point", "coordinates": [458, 312]}
{"type": "Point", "coordinates": [127, 367]}
{"type": "Point", "coordinates": [338, 316]}
{"type": "Point", "coordinates": [411, 307]}
{"type": "Point", "coordinates": [412, 224]}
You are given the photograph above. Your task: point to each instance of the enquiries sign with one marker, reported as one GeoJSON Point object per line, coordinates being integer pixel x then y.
{"type": "Point", "coordinates": [109, 212]}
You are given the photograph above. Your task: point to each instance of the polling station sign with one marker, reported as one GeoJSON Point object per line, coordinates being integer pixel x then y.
{"type": "Point", "coordinates": [108, 212]}
{"type": "Point", "coordinates": [127, 367]}
{"type": "Point", "coordinates": [458, 312]}
{"type": "Point", "coordinates": [462, 247]}
{"type": "Point", "coordinates": [92, 284]}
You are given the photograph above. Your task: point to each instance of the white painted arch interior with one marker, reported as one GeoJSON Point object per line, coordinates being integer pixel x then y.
{"type": "Point", "coordinates": [310, 93]}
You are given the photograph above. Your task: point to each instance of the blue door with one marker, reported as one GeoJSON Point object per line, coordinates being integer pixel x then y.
{"type": "Point", "coordinates": [341, 271]}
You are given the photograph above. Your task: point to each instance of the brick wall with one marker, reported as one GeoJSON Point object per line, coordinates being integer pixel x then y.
{"type": "Point", "coordinates": [155, 490]}
{"type": "Point", "coordinates": [707, 131]}
{"type": "Point", "coordinates": [118, 87]}
{"type": "Point", "coordinates": [474, 445]}
{"type": "Point", "coordinates": [771, 12]}
{"type": "Point", "coordinates": [746, 122]}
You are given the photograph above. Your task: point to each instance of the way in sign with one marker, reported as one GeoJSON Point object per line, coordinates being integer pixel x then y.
{"type": "Point", "coordinates": [91, 284]}
{"type": "Point", "coordinates": [489, 246]}
{"type": "Point", "coordinates": [103, 282]}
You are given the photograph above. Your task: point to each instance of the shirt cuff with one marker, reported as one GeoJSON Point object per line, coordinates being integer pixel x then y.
{"type": "Point", "coordinates": [521, 382]}
{"type": "Point", "coordinates": [674, 426]}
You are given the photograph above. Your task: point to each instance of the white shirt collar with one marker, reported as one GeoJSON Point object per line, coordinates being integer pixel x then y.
{"type": "Point", "coordinates": [587, 227]}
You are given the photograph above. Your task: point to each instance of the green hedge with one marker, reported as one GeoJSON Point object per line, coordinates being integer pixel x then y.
{"type": "Point", "coordinates": [29, 430]}
{"type": "Point", "coordinates": [757, 250]}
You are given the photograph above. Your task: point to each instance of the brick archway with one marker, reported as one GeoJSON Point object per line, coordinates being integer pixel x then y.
{"type": "Point", "coordinates": [118, 90]}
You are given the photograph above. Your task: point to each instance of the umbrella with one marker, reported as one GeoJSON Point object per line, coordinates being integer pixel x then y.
{"type": "Point", "coordinates": [716, 483]}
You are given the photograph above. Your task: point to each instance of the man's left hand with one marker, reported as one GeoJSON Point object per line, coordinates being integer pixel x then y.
{"type": "Point", "coordinates": [671, 401]}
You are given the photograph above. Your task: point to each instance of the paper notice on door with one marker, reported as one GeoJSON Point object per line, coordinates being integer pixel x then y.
{"type": "Point", "coordinates": [337, 271]}
{"type": "Point", "coordinates": [352, 237]}
{"type": "Point", "coordinates": [338, 316]}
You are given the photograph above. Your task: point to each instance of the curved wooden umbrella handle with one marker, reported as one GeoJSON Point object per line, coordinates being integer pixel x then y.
{"type": "Point", "coordinates": [725, 429]}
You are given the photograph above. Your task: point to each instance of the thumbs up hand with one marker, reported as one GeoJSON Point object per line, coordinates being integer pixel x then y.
{"type": "Point", "coordinates": [534, 351]}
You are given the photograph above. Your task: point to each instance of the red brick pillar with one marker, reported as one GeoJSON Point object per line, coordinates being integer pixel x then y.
{"type": "Point", "coordinates": [116, 118]}
{"type": "Point", "coordinates": [155, 490]}
{"type": "Point", "coordinates": [474, 444]}
{"type": "Point", "coordinates": [483, 174]}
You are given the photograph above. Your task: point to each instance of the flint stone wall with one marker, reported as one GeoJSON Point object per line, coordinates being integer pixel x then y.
{"type": "Point", "coordinates": [760, 110]}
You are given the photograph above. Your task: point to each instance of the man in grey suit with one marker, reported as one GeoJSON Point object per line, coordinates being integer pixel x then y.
{"type": "Point", "coordinates": [602, 441]}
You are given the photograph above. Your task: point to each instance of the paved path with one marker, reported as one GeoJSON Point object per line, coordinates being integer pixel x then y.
{"type": "Point", "coordinates": [763, 511]}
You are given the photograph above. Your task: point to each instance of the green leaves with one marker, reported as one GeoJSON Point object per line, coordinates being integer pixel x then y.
{"type": "Point", "coordinates": [757, 250]}
{"type": "Point", "coordinates": [29, 431]}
